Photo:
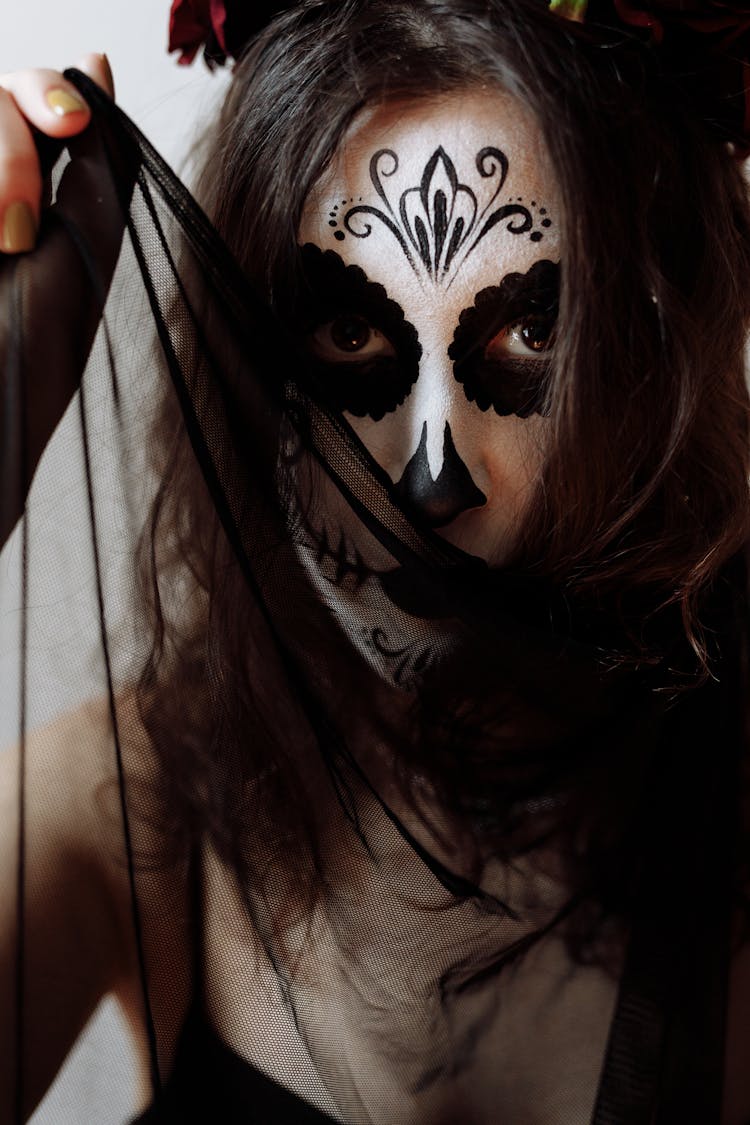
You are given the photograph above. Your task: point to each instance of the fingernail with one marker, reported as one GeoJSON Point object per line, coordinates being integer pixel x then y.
{"type": "Point", "coordinates": [108, 73]}
{"type": "Point", "coordinates": [19, 229]}
{"type": "Point", "coordinates": [62, 102]}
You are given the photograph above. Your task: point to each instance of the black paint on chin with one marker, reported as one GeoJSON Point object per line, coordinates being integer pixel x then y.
{"type": "Point", "coordinates": [438, 501]}
{"type": "Point", "coordinates": [370, 388]}
{"type": "Point", "coordinates": [509, 386]}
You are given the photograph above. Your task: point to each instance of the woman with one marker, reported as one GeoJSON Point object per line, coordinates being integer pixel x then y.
{"type": "Point", "coordinates": [442, 575]}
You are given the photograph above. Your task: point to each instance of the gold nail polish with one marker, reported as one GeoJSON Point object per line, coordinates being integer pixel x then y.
{"type": "Point", "coordinates": [19, 229]}
{"type": "Point", "coordinates": [63, 102]}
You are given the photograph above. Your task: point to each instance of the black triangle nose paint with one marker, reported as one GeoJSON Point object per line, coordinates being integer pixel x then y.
{"type": "Point", "coordinates": [453, 491]}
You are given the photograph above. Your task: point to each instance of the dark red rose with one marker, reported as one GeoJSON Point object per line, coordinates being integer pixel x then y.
{"type": "Point", "coordinates": [193, 24]}
{"type": "Point", "coordinates": [221, 27]}
{"type": "Point", "coordinates": [726, 20]}
{"type": "Point", "coordinates": [708, 42]}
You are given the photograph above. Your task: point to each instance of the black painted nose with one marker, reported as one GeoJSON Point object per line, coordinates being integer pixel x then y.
{"type": "Point", "coordinates": [439, 501]}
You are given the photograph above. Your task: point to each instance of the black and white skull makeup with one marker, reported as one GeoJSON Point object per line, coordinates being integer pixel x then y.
{"type": "Point", "coordinates": [432, 255]}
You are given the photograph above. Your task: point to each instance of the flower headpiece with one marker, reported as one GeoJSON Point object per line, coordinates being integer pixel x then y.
{"type": "Point", "coordinates": [221, 27]}
{"type": "Point", "coordinates": [708, 36]}
{"type": "Point", "coordinates": [705, 42]}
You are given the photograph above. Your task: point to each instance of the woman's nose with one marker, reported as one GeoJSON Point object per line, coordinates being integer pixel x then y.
{"type": "Point", "coordinates": [436, 482]}
{"type": "Point", "coordinates": [438, 500]}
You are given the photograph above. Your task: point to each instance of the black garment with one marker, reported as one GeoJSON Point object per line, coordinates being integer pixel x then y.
{"type": "Point", "coordinates": [210, 1082]}
{"type": "Point", "coordinates": [464, 824]}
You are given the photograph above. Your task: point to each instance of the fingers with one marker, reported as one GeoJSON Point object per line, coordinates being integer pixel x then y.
{"type": "Point", "coordinates": [20, 180]}
{"type": "Point", "coordinates": [47, 101]}
{"type": "Point", "coordinates": [98, 69]}
{"type": "Point", "coordinates": [40, 100]}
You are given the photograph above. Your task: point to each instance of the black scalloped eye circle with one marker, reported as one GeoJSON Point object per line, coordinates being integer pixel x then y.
{"type": "Point", "coordinates": [358, 350]}
{"type": "Point", "coordinates": [510, 384]}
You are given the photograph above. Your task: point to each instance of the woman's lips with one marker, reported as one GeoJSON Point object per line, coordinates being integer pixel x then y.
{"type": "Point", "coordinates": [432, 595]}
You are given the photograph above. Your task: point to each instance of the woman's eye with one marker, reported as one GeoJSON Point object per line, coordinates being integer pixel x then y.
{"type": "Point", "coordinates": [525, 337]}
{"type": "Point", "coordinates": [349, 338]}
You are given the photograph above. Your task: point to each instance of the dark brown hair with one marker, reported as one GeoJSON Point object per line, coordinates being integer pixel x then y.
{"type": "Point", "coordinates": [644, 496]}
{"type": "Point", "coordinates": [647, 466]}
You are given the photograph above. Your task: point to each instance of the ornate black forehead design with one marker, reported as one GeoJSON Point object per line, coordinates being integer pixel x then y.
{"type": "Point", "coordinates": [438, 223]}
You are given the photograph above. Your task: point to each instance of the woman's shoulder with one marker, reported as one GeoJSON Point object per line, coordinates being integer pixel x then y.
{"type": "Point", "coordinates": [75, 770]}
{"type": "Point", "coordinates": [98, 872]}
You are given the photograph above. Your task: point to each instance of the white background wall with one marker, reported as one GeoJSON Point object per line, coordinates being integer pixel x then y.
{"type": "Point", "coordinates": [169, 103]}
{"type": "Point", "coordinates": [166, 100]}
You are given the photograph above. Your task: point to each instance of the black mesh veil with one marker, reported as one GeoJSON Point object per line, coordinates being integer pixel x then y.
{"type": "Point", "coordinates": [369, 831]}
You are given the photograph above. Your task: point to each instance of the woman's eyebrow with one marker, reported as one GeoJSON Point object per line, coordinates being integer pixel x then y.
{"type": "Point", "coordinates": [334, 286]}
{"type": "Point", "coordinates": [538, 287]}
{"type": "Point", "coordinates": [330, 275]}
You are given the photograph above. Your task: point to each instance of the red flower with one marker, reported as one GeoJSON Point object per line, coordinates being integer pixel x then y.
{"type": "Point", "coordinates": [222, 27]}
{"type": "Point", "coordinates": [720, 30]}
{"type": "Point", "coordinates": [727, 20]}
{"type": "Point", "coordinates": [195, 23]}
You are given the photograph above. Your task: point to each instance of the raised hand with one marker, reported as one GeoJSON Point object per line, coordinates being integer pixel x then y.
{"type": "Point", "coordinates": [34, 102]}
{"type": "Point", "coordinates": [51, 300]}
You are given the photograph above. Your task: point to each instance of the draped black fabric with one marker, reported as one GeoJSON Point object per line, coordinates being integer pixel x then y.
{"type": "Point", "coordinates": [462, 857]}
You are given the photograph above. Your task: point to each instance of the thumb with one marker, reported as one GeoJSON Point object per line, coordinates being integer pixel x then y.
{"type": "Point", "coordinates": [98, 70]}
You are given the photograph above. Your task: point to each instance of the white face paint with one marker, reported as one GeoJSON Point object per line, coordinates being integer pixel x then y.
{"type": "Point", "coordinates": [438, 201]}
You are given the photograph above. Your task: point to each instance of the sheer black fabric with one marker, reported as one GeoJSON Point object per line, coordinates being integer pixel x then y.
{"type": "Point", "coordinates": [464, 856]}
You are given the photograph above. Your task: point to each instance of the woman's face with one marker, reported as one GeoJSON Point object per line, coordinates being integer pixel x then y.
{"type": "Point", "coordinates": [432, 251]}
